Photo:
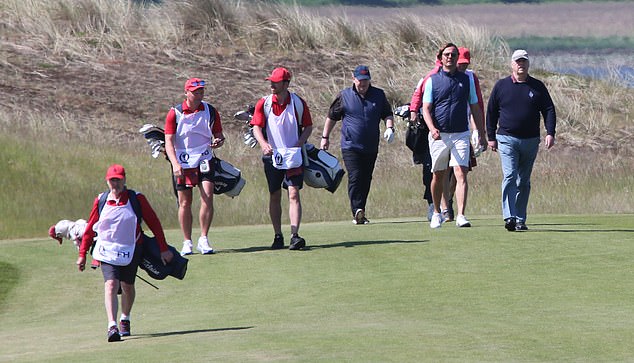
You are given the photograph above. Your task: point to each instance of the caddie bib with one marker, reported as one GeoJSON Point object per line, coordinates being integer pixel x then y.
{"type": "Point", "coordinates": [287, 158]}
{"type": "Point", "coordinates": [282, 131]}
{"type": "Point", "coordinates": [116, 235]}
{"type": "Point", "coordinates": [192, 141]}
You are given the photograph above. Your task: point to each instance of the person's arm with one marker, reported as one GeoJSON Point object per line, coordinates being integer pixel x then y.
{"type": "Point", "coordinates": [492, 116]}
{"type": "Point", "coordinates": [89, 235]}
{"type": "Point", "coordinates": [335, 113]}
{"type": "Point", "coordinates": [427, 106]}
{"type": "Point", "coordinates": [170, 151]}
{"type": "Point", "coordinates": [307, 124]}
{"type": "Point", "coordinates": [153, 222]}
{"type": "Point", "coordinates": [259, 123]}
{"type": "Point", "coordinates": [219, 138]}
{"type": "Point", "coordinates": [550, 118]}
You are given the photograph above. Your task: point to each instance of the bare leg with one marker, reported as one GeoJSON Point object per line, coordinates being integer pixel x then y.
{"type": "Point", "coordinates": [462, 188]}
{"type": "Point", "coordinates": [185, 212]}
{"type": "Point", "coordinates": [436, 188]}
{"type": "Point", "coordinates": [127, 297]}
{"type": "Point", "coordinates": [206, 214]}
{"type": "Point", "coordinates": [111, 287]}
{"type": "Point", "coordinates": [275, 210]}
{"type": "Point", "coordinates": [294, 208]}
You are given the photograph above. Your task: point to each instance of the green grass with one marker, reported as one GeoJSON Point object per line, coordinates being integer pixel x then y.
{"type": "Point", "coordinates": [392, 291]}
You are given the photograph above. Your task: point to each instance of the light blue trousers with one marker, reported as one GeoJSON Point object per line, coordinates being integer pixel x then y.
{"type": "Point", "coordinates": [517, 157]}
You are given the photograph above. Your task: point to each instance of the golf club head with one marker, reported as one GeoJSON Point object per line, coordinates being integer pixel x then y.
{"type": "Point", "coordinates": [242, 116]}
{"type": "Point", "coordinates": [402, 111]}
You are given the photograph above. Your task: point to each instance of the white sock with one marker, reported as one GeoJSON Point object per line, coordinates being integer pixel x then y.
{"type": "Point", "coordinates": [125, 317]}
{"type": "Point", "coordinates": [111, 324]}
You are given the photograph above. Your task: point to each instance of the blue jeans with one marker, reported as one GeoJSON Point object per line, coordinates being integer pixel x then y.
{"type": "Point", "coordinates": [517, 157]}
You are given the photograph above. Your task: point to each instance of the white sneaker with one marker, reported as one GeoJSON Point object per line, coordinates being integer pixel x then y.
{"type": "Point", "coordinates": [187, 248]}
{"type": "Point", "coordinates": [436, 220]}
{"type": "Point", "coordinates": [204, 247]}
{"type": "Point", "coordinates": [461, 221]}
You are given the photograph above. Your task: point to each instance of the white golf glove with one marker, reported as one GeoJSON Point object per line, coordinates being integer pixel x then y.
{"type": "Point", "coordinates": [388, 135]}
{"type": "Point", "coordinates": [475, 142]}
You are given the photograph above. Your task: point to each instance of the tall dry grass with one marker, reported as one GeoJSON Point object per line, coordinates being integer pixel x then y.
{"type": "Point", "coordinates": [234, 40]}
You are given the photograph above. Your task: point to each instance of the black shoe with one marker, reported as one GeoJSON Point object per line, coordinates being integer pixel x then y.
{"type": "Point", "coordinates": [297, 243]}
{"type": "Point", "coordinates": [521, 226]}
{"type": "Point", "coordinates": [278, 242]}
{"type": "Point", "coordinates": [509, 224]}
{"type": "Point", "coordinates": [113, 334]}
{"type": "Point", "coordinates": [125, 328]}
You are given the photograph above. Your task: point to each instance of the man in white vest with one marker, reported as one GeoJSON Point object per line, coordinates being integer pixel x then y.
{"type": "Point", "coordinates": [281, 125]}
{"type": "Point", "coordinates": [192, 131]}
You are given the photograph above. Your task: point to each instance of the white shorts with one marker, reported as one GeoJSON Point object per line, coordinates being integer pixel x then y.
{"type": "Point", "coordinates": [451, 150]}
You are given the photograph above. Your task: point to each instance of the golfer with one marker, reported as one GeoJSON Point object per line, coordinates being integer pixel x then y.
{"type": "Point", "coordinates": [513, 114]}
{"type": "Point", "coordinates": [118, 247]}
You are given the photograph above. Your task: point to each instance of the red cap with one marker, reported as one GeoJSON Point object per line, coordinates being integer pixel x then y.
{"type": "Point", "coordinates": [115, 171]}
{"type": "Point", "coordinates": [53, 235]}
{"type": "Point", "coordinates": [193, 84]}
{"type": "Point", "coordinates": [279, 74]}
{"type": "Point", "coordinates": [464, 56]}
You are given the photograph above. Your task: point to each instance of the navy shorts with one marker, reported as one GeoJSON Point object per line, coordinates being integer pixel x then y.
{"type": "Point", "coordinates": [278, 178]}
{"type": "Point", "coordinates": [126, 273]}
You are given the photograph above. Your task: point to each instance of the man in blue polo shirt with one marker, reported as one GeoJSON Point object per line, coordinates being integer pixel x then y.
{"type": "Point", "coordinates": [361, 109]}
{"type": "Point", "coordinates": [513, 128]}
{"type": "Point", "coordinates": [447, 96]}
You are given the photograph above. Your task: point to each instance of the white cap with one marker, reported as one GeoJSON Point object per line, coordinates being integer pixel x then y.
{"type": "Point", "coordinates": [519, 54]}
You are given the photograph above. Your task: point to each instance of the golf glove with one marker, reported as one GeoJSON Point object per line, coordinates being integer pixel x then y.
{"type": "Point", "coordinates": [388, 135]}
{"type": "Point", "coordinates": [475, 143]}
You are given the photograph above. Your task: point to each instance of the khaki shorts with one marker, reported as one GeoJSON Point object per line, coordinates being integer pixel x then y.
{"type": "Point", "coordinates": [453, 149]}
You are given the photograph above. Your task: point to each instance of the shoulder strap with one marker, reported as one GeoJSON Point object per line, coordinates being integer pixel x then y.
{"type": "Point", "coordinates": [297, 102]}
{"type": "Point", "coordinates": [134, 202]}
{"type": "Point", "coordinates": [178, 109]}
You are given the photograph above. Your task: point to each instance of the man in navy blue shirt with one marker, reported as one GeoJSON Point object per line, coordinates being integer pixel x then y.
{"type": "Point", "coordinates": [513, 129]}
{"type": "Point", "coordinates": [361, 109]}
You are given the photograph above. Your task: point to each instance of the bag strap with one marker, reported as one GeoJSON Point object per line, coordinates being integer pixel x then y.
{"type": "Point", "coordinates": [136, 206]}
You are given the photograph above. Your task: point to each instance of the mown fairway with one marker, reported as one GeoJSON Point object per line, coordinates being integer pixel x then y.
{"type": "Point", "coordinates": [391, 291]}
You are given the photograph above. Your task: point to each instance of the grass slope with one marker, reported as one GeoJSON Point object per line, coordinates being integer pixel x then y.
{"type": "Point", "coordinates": [392, 291]}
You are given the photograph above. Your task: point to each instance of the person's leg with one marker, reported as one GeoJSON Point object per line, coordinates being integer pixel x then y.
{"type": "Point", "coordinates": [206, 214]}
{"type": "Point", "coordinates": [275, 210]}
{"type": "Point", "coordinates": [437, 188]}
{"type": "Point", "coordinates": [509, 160]}
{"type": "Point", "coordinates": [352, 164]}
{"type": "Point", "coordinates": [111, 287]}
{"type": "Point", "coordinates": [367, 162]}
{"type": "Point", "coordinates": [294, 208]}
{"type": "Point", "coordinates": [128, 294]}
{"type": "Point", "coordinates": [462, 188]}
{"type": "Point", "coordinates": [185, 213]}
{"type": "Point", "coordinates": [528, 149]}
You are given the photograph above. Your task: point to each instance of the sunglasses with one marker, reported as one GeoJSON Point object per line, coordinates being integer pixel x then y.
{"type": "Point", "coordinates": [198, 83]}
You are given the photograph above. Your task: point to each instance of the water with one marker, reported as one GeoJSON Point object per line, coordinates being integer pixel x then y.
{"type": "Point", "coordinates": [617, 67]}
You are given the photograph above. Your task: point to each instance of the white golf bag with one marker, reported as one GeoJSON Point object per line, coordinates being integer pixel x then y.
{"type": "Point", "coordinates": [321, 169]}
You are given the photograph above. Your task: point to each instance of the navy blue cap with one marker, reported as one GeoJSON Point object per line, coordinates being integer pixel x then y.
{"type": "Point", "coordinates": [362, 72]}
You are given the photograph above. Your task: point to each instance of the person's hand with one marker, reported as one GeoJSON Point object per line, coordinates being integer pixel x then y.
{"type": "Point", "coordinates": [177, 169]}
{"type": "Point", "coordinates": [435, 134]}
{"type": "Point", "coordinates": [217, 142]}
{"type": "Point", "coordinates": [166, 257]}
{"type": "Point", "coordinates": [493, 145]}
{"type": "Point", "coordinates": [325, 143]}
{"type": "Point", "coordinates": [81, 263]}
{"type": "Point", "coordinates": [388, 135]}
{"type": "Point", "coordinates": [266, 149]}
{"type": "Point", "coordinates": [549, 142]}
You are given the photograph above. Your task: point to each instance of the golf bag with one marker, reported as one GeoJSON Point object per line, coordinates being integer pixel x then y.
{"type": "Point", "coordinates": [321, 169]}
{"type": "Point", "coordinates": [227, 178]}
{"type": "Point", "coordinates": [152, 264]}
